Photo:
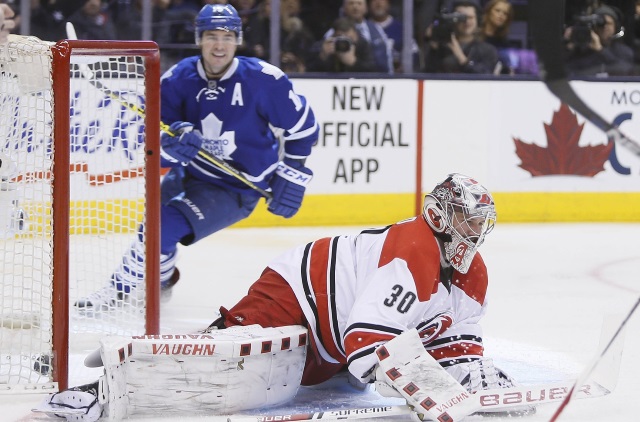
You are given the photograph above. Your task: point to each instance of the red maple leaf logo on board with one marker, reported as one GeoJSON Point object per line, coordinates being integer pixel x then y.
{"type": "Point", "coordinates": [562, 154]}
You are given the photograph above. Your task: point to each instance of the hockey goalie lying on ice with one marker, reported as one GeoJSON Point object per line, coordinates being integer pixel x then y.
{"type": "Point", "coordinates": [393, 305]}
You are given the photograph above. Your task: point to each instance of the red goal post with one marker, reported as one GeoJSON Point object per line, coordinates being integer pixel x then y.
{"type": "Point", "coordinates": [80, 174]}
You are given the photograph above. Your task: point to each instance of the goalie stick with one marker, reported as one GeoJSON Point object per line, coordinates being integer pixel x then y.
{"type": "Point", "coordinates": [212, 159]}
{"type": "Point", "coordinates": [547, 17]}
{"type": "Point", "coordinates": [587, 372]}
{"type": "Point", "coordinates": [502, 399]}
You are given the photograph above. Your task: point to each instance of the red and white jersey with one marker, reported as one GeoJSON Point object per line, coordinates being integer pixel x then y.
{"type": "Point", "coordinates": [360, 291]}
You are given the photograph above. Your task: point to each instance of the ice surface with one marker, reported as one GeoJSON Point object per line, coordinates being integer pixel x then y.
{"type": "Point", "coordinates": [551, 286]}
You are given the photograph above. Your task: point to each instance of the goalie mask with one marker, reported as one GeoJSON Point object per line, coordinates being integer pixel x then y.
{"type": "Point", "coordinates": [223, 17]}
{"type": "Point", "coordinates": [461, 212]}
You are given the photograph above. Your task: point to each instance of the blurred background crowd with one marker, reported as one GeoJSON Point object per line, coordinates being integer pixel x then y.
{"type": "Point", "coordinates": [490, 37]}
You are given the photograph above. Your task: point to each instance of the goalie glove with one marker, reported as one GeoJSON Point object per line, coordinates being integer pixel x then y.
{"type": "Point", "coordinates": [288, 186]}
{"type": "Point", "coordinates": [482, 374]}
{"type": "Point", "coordinates": [181, 147]}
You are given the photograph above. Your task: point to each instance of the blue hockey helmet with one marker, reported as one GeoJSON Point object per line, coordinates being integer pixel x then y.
{"type": "Point", "coordinates": [218, 16]}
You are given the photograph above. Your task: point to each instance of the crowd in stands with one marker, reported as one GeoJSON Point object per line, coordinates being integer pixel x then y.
{"type": "Point", "coordinates": [488, 37]}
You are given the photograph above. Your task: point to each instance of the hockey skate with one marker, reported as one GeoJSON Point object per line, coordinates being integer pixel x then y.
{"type": "Point", "coordinates": [167, 287]}
{"type": "Point", "coordinates": [80, 403]}
{"type": "Point", "coordinates": [107, 298]}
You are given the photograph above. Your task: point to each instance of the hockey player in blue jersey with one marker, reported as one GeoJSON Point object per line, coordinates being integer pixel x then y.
{"type": "Point", "coordinates": [232, 107]}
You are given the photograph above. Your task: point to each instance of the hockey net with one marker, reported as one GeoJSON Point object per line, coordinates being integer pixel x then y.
{"type": "Point", "coordinates": [79, 174]}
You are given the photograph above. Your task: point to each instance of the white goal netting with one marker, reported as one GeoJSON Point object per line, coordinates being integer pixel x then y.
{"type": "Point", "coordinates": [104, 158]}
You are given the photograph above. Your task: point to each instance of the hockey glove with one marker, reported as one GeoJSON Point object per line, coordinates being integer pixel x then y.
{"type": "Point", "coordinates": [182, 146]}
{"type": "Point", "coordinates": [288, 186]}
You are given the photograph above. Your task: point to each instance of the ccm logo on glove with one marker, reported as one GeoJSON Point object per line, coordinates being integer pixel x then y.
{"type": "Point", "coordinates": [293, 175]}
{"type": "Point", "coordinates": [288, 186]}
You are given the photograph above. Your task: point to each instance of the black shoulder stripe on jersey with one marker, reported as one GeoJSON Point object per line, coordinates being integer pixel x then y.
{"type": "Point", "coordinates": [441, 341]}
{"type": "Point", "coordinates": [362, 353]}
{"type": "Point", "coordinates": [337, 336]}
{"type": "Point", "coordinates": [376, 231]}
{"type": "Point", "coordinates": [446, 364]}
{"type": "Point", "coordinates": [372, 327]}
{"type": "Point", "coordinates": [306, 285]}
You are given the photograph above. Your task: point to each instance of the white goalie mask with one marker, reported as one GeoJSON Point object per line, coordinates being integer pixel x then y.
{"type": "Point", "coordinates": [461, 212]}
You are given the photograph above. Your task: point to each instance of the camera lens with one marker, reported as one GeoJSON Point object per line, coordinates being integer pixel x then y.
{"type": "Point", "coordinates": [342, 44]}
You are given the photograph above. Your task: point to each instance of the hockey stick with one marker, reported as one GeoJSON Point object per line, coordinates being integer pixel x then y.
{"type": "Point", "coordinates": [88, 75]}
{"type": "Point", "coordinates": [547, 17]}
{"type": "Point", "coordinates": [585, 374]}
{"type": "Point", "coordinates": [501, 399]}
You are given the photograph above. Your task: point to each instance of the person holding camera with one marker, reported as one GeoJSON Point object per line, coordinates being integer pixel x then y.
{"type": "Point", "coordinates": [454, 45]}
{"type": "Point", "coordinates": [343, 51]}
{"type": "Point", "coordinates": [594, 45]}
{"type": "Point", "coordinates": [368, 31]}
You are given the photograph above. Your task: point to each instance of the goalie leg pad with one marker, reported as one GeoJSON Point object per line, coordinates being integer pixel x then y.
{"type": "Point", "coordinates": [221, 372]}
{"type": "Point", "coordinates": [405, 366]}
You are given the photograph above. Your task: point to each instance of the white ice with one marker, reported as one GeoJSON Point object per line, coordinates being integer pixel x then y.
{"type": "Point", "coordinates": [551, 287]}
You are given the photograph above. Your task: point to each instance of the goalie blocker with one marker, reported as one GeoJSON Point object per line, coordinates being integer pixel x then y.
{"type": "Point", "coordinates": [221, 372]}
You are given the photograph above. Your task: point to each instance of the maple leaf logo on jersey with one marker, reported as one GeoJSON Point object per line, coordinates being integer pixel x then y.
{"type": "Point", "coordinates": [216, 142]}
{"type": "Point", "coordinates": [562, 155]}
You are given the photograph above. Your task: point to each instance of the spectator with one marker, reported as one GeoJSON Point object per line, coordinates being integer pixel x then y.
{"type": "Point", "coordinates": [455, 47]}
{"type": "Point", "coordinates": [245, 8]}
{"type": "Point", "coordinates": [180, 16]}
{"type": "Point", "coordinates": [93, 22]}
{"type": "Point", "coordinates": [252, 25]}
{"type": "Point", "coordinates": [257, 31]}
{"type": "Point", "coordinates": [594, 45]}
{"type": "Point", "coordinates": [127, 14]}
{"type": "Point", "coordinates": [344, 51]}
{"type": "Point", "coordinates": [296, 38]}
{"type": "Point", "coordinates": [369, 31]}
{"type": "Point", "coordinates": [318, 15]}
{"type": "Point", "coordinates": [6, 22]}
{"type": "Point", "coordinates": [128, 17]}
{"type": "Point", "coordinates": [380, 13]}
{"type": "Point", "coordinates": [636, 36]}
{"type": "Point", "coordinates": [494, 29]}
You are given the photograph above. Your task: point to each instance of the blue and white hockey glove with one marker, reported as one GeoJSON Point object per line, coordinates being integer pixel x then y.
{"type": "Point", "coordinates": [182, 147]}
{"type": "Point", "coordinates": [288, 186]}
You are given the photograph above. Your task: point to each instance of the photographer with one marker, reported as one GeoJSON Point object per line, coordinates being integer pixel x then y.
{"type": "Point", "coordinates": [594, 45]}
{"type": "Point", "coordinates": [454, 45]}
{"type": "Point", "coordinates": [344, 51]}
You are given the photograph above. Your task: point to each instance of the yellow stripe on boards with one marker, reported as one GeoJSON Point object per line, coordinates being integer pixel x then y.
{"type": "Point", "coordinates": [570, 207]}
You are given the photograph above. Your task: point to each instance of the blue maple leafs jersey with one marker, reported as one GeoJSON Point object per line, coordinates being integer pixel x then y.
{"type": "Point", "coordinates": [237, 116]}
